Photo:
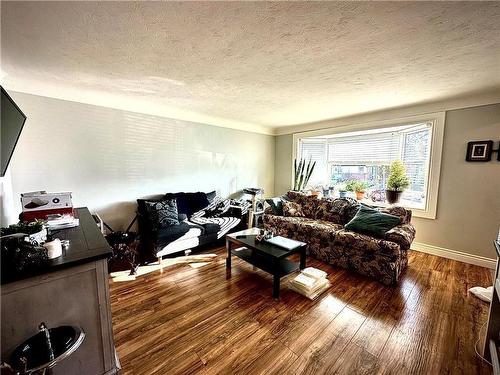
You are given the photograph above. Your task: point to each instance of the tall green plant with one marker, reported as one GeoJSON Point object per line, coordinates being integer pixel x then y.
{"type": "Point", "coordinates": [302, 173]}
{"type": "Point", "coordinates": [398, 180]}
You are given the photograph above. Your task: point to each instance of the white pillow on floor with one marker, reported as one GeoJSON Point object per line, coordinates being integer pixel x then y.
{"type": "Point", "coordinates": [484, 294]}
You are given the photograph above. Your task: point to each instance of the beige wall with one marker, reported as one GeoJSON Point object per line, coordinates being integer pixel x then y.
{"type": "Point", "coordinates": [468, 216]}
{"type": "Point", "coordinates": [283, 163]}
{"type": "Point", "coordinates": [110, 157]}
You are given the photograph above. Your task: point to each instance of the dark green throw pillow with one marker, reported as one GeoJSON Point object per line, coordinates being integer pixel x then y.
{"type": "Point", "coordinates": [276, 205]}
{"type": "Point", "coordinates": [372, 222]}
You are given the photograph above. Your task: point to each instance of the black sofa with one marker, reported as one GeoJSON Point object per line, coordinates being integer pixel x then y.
{"type": "Point", "coordinates": [203, 219]}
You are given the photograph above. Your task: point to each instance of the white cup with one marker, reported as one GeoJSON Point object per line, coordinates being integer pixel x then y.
{"type": "Point", "coordinates": [54, 248]}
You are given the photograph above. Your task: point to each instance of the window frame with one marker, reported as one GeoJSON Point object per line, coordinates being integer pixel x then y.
{"type": "Point", "coordinates": [437, 121]}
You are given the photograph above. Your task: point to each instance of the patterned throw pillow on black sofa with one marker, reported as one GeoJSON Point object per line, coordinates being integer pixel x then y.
{"type": "Point", "coordinates": [163, 214]}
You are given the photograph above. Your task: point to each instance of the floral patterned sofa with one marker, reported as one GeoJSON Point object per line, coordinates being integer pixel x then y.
{"type": "Point", "coordinates": [323, 229]}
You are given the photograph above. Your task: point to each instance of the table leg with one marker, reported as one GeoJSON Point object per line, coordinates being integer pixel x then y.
{"type": "Point", "coordinates": [276, 286]}
{"type": "Point", "coordinates": [303, 258]}
{"type": "Point", "coordinates": [228, 259]}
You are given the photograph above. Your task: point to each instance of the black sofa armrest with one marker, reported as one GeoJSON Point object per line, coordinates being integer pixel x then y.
{"type": "Point", "coordinates": [148, 238]}
{"type": "Point", "coordinates": [144, 226]}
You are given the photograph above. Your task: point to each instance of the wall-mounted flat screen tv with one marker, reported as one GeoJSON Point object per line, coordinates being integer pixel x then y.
{"type": "Point", "coordinates": [11, 125]}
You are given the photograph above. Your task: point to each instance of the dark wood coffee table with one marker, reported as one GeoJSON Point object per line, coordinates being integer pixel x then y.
{"type": "Point", "coordinates": [265, 256]}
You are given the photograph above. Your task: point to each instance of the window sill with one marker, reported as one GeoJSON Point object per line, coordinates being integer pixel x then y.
{"type": "Point", "coordinates": [416, 212]}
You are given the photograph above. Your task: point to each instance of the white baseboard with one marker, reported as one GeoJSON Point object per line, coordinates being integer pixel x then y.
{"type": "Point", "coordinates": [455, 255]}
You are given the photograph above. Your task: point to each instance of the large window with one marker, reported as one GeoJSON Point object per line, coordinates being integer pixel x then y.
{"type": "Point", "coordinates": [343, 155]}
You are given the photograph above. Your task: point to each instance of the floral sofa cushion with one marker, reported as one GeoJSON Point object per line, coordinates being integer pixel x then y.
{"type": "Point", "coordinates": [349, 208]}
{"type": "Point", "coordinates": [292, 209]}
{"type": "Point", "coordinates": [319, 235]}
{"type": "Point", "coordinates": [339, 211]}
{"type": "Point", "coordinates": [369, 256]}
{"type": "Point", "coordinates": [335, 210]}
{"type": "Point", "coordinates": [302, 227]}
{"type": "Point", "coordinates": [352, 243]}
{"type": "Point", "coordinates": [308, 203]}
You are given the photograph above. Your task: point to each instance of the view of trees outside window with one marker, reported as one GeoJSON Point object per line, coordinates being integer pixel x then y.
{"type": "Point", "coordinates": [376, 175]}
{"type": "Point", "coordinates": [366, 156]}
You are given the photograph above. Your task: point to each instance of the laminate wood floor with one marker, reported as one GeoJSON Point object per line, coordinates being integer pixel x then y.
{"type": "Point", "coordinates": [188, 320]}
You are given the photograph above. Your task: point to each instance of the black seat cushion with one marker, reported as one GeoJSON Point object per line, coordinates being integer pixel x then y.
{"type": "Point", "coordinates": [172, 233]}
{"type": "Point", "coordinates": [210, 228]}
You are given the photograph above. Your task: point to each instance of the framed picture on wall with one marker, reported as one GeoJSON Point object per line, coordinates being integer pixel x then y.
{"type": "Point", "coordinates": [479, 151]}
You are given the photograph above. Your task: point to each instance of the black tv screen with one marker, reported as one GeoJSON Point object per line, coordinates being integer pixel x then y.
{"type": "Point", "coordinates": [11, 125]}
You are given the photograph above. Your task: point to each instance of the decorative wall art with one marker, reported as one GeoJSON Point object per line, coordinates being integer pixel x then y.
{"type": "Point", "coordinates": [479, 151]}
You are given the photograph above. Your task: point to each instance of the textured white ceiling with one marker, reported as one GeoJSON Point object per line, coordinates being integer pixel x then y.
{"type": "Point", "coordinates": [251, 64]}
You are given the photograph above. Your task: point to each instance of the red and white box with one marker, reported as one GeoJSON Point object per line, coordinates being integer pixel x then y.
{"type": "Point", "coordinates": [39, 204]}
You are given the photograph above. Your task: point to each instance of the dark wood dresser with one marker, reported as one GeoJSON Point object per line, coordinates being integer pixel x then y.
{"type": "Point", "coordinates": [70, 290]}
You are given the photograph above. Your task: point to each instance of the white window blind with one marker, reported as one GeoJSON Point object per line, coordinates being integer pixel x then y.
{"type": "Point", "coordinates": [314, 149]}
{"type": "Point", "coordinates": [376, 148]}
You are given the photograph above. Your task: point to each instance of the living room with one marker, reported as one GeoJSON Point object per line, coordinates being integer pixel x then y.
{"type": "Point", "coordinates": [365, 133]}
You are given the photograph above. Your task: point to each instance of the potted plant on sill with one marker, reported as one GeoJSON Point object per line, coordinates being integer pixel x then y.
{"type": "Point", "coordinates": [397, 182]}
{"type": "Point", "coordinates": [342, 190]}
{"type": "Point", "coordinates": [325, 191]}
{"type": "Point", "coordinates": [316, 190]}
{"type": "Point", "coordinates": [358, 187]}
{"type": "Point", "coordinates": [302, 173]}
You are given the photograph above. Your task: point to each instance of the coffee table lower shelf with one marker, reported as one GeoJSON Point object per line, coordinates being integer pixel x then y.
{"type": "Point", "coordinates": [282, 267]}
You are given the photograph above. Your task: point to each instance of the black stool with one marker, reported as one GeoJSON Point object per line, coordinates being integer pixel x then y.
{"type": "Point", "coordinates": [46, 349]}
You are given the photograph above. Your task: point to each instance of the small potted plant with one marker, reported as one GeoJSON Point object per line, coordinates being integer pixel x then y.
{"type": "Point", "coordinates": [358, 187]}
{"type": "Point", "coordinates": [315, 191]}
{"type": "Point", "coordinates": [326, 191]}
{"type": "Point", "coordinates": [340, 186]}
{"type": "Point", "coordinates": [342, 190]}
{"type": "Point", "coordinates": [331, 190]}
{"type": "Point", "coordinates": [397, 182]}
